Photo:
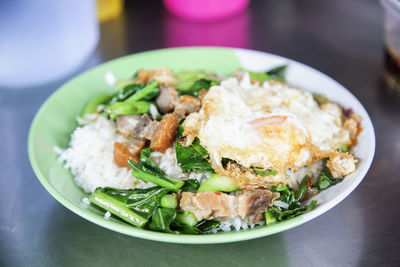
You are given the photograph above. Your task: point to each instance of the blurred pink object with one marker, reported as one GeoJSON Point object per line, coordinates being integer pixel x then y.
{"type": "Point", "coordinates": [205, 10]}
{"type": "Point", "coordinates": [179, 32]}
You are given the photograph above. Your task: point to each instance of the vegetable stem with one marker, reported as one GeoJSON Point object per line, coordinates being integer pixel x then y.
{"type": "Point", "coordinates": [150, 91]}
{"type": "Point", "coordinates": [186, 218]}
{"type": "Point", "coordinates": [124, 108]}
{"type": "Point", "coordinates": [219, 183]}
{"type": "Point", "coordinates": [269, 218]}
{"type": "Point", "coordinates": [92, 105]}
{"type": "Point", "coordinates": [169, 201]}
{"type": "Point", "coordinates": [148, 171]}
{"type": "Point", "coordinates": [117, 208]}
{"type": "Point", "coordinates": [140, 173]}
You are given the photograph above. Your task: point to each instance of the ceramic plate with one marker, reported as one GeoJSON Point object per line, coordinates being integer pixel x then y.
{"type": "Point", "coordinates": [56, 120]}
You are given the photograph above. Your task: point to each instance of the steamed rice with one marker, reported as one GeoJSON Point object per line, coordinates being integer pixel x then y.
{"type": "Point", "coordinates": [90, 159]}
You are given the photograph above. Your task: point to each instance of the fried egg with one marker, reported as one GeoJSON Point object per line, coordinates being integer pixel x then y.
{"type": "Point", "coordinates": [270, 125]}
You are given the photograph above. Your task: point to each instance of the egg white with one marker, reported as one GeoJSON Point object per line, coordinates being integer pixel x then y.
{"type": "Point", "coordinates": [270, 125]}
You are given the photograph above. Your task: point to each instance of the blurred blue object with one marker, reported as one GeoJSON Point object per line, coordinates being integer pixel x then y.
{"type": "Point", "coordinates": [43, 40]}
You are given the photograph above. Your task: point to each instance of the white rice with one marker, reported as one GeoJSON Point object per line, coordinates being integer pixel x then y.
{"type": "Point", "coordinates": [90, 158]}
{"type": "Point", "coordinates": [236, 223]}
{"type": "Point", "coordinates": [313, 170]}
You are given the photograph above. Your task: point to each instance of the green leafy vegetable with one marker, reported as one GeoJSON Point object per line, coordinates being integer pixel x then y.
{"type": "Point", "coordinates": [162, 219]}
{"type": "Point", "coordinates": [201, 227]}
{"type": "Point", "coordinates": [126, 92]}
{"type": "Point", "coordinates": [219, 183]}
{"type": "Point", "coordinates": [134, 206]}
{"type": "Point", "coordinates": [286, 195]}
{"type": "Point", "coordinates": [193, 158]}
{"type": "Point", "coordinates": [259, 76]}
{"type": "Point", "coordinates": [180, 130]}
{"type": "Point", "coordinates": [185, 229]}
{"type": "Point", "coordinates": [132, 99]}
{"type": "Point", "coordinates": [147, 208]}
{"type": "Point", "coordinates": [186, 218]}
{"type": "Point", "coordinates": [147, 93]}
{"type": "Point", "coordinates": [190, 185]}
{"type": "Point", "coordinates": [292, 198]}
{"type": "Point", "coordinates": [343, 148]}
{"type": "Point", "coordinates": [326, 178]}
{"type": "Point", "coordinates": [269, 217]}
{"type": "Point", "coordinates": [198, 85]}
{"type": "Point", "coordinates": [148, 171]}
{"type": "Point", "coordinates": [226, 161]}
{"type": "Point", "coordinates": [263, 172]}
{"type": "Point", "coordinates": [303, 188]}
{"type": "Point", "coordinates": [278, 73]}
{"type": "Point", "coordinates": [146, 201]}
{"type": "Point", "coordinates": [289, 196]}
{"type": "Point", "coordinates": [191, 82]}
{"type": "Point", "coordinates": [125, 108]}
{"type": "Point", "coordinates": [207, 225]}
{"type": "Point", "coordinates": [186, 79]}
{"type": "Point", "coordinates": [92, 105]}
{"type": "Point", "coordinates": [276, 214]}
{"type": "Point", "coordinates": [169, 201]}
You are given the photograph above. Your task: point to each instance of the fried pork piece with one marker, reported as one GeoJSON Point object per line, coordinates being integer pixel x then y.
{"type": "Point", "coordinates": [128, 150]}
{"type": "Point", "coordinates": [167, 99]}
{"type": "Point", "coordinates": [207, 205]}
{"type": "Point", "coordinates": [126, 124]}
{"type": "Point", "coordinates": [188, 104]}
{"type": "Point", "coordinates": [162, 75]}
{"type": "Point", "coordinates": [220, 206]}
{"type": "Point", "coordinates": [165, 133]}
{"type": "Point", "coordinates": [135, 145]}
{"type": "Point", "coordinates": [254, 202]}
{"type": "Point", "coordinates": [145, 128]}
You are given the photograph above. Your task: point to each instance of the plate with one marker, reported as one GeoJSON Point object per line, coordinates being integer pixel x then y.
{"type": "Point", "coordinates": [56, 120]}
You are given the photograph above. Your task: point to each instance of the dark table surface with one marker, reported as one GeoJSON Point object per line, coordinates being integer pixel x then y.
{"type": "Point", "coordinates": [341, 38]}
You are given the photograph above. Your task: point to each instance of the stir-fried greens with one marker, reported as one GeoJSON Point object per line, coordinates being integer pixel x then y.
{"type": "Point", "coordinates": [193, 158]}
{"type": "Point", "coordinates": [161, 207]}
{"type": "Point", "coordinates": [148, 171]}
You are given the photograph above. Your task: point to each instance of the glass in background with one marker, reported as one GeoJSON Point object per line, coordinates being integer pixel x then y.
{"type": "Point", "coordinates": [44, 40]}
{"type": "Point", "coordinates": [392, 43]}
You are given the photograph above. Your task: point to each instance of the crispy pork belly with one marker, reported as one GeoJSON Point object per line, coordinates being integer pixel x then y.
{"type": "Point", "coordinates": [253, 203]}
{"type": "Point", "coordinates": [126, 124]}
{"type": "Point", "coordinates": [188, 104]}
{"type": "Point", "coordinates": [146, 128]}
{"type": "Point", "coordinates": [220, 206]}
{"type": "Point", "coordinates": [210, 205]}
{"type": "Point", "coordinates": [167, 99]}
{"type": "Point", "coordinates": [165, 133]}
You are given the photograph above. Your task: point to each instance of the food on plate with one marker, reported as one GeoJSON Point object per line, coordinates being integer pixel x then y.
{"type": "Point", "coordinates": [194, 152]}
